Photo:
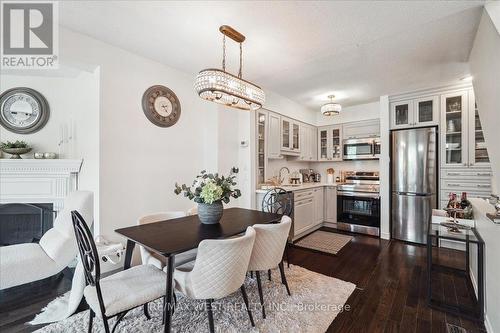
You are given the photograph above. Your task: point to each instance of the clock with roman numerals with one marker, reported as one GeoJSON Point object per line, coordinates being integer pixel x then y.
{"type": "Point", "coordinates": [23, 110]}
{"type": "Point", "coordinates": [161, 106]}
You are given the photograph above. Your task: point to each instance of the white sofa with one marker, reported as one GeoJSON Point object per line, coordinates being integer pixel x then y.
{"type": "Point", "coordinates": [29, 262]}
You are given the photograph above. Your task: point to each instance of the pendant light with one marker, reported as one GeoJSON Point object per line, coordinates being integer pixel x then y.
{"type": "Point", "coordinates": [331, 108]}
{"type": "Point", "coordinates": [224, 88]}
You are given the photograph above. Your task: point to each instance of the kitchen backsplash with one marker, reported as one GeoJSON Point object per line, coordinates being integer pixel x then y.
{"type": "Point", "coordinates": [360, 165]}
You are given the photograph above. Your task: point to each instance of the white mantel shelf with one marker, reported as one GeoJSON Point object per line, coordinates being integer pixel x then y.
{"type": "Point", "coordinates": [38, 180]}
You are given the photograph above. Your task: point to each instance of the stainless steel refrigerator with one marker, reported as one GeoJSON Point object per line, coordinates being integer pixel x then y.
{"type": "Point", "coordinates": [414, 182]}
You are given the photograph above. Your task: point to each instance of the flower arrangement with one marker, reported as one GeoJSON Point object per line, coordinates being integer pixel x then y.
{"type": "Point", "coordinates": [208, 188]}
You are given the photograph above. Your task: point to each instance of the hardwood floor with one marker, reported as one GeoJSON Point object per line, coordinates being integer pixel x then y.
{"type": "Point", "coordinates": [391, 294]}
{"type": "Point", "coordinates": [391, 286]}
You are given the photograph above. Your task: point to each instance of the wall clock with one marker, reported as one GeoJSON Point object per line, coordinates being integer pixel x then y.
{"type": "Point", "coordinates": [161, 106]}
{"type": "Point", "coordinates": [23, 110]}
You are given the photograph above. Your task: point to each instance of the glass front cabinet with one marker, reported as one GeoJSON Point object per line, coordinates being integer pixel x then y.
{"type": "Point", "coordinates": [330, 143]}
{"type": "Point", "coordinates": [290, 135]}
{"type": "Point", "coordinates": [261, 120]}
{"type": "Point", "coordinates": [417, 112]}
{"type": "Point", "coordinates": [462, 139]}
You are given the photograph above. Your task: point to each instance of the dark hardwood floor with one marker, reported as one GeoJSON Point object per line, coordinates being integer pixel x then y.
{"type": "Point", "coordinates": [391, 294]}
{"type": "Point", "coordinates": [391, 286]}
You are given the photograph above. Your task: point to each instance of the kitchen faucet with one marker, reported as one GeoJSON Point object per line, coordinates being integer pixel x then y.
{"type": "Point", "coordinates": [281, 179]}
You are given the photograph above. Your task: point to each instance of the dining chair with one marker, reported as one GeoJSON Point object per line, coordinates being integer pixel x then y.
{"type": "Point", "coordinates": [218, 271]}
{"type": "Point", "coordinates": [115, 295]}
{"type": "Point", "coordinates": [267, 253]}
{"type": "Point", "coordinates": [278, 201]}
{"type": "Point", "coordinates": [148, 257]}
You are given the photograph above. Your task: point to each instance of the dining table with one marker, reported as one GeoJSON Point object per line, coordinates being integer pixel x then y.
{"type": "Point", "coordinates": [170, 237]}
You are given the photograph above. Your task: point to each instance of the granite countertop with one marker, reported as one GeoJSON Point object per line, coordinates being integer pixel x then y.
{"type": "Point", "coordinates": [303, 186]}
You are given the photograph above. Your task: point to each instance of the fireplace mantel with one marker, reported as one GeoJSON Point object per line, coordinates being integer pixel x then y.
{"type": "Point", "coordinates": [38, 181]}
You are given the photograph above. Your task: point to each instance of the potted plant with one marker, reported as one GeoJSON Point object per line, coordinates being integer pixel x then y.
{"type": "Point", "coordinates": [16, 149]}
{"type": "Point", "coordinates": [209, 191]}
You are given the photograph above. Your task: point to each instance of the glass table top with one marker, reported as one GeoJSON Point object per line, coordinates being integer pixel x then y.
{"type": "Point", "coordinates": [462, 233]}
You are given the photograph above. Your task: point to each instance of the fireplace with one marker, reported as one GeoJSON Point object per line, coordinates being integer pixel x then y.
{"type": "Point", "coordinates": [24, 222]}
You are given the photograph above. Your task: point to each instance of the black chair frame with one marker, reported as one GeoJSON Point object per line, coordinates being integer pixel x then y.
{"type": "Point", "coordinates": [91, 266]}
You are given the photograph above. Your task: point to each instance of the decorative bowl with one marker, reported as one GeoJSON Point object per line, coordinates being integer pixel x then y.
{"type": "Point", "coordinates": [50, 156]}
{"type": "Point", "coordinates": [16, 152]}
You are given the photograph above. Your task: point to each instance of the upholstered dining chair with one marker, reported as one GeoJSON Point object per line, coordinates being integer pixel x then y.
{"type": "Point", "coordinates": [29, 262]}
{"type": "Point", "coordinates": [148, 257]}
{"type": "Point", "coordinates": [267, 253]}
{"type": "Point", "coordinates": [115, 295]}
{"type": "Point", "coordinates": [219, 270]}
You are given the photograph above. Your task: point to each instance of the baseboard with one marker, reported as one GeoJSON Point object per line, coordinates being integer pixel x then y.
{"type": "Point", "coordinates": [385, 235]}
{"type": "Point", "coordinates": [487, 323]}
{"type": "Point", "coordinates": [330, 224]}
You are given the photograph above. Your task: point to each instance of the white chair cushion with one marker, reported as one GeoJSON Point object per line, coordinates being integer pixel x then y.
{"type": "Point", "coordinates": [127, 289]}
{"type": "Point", "coordinates": [219, 269]}
{"type": "Point", "coordinates": [270, 242]}
{"type": "Point", "coordinates": [23, 263]}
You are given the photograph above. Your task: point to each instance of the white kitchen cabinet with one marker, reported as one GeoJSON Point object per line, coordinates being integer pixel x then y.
{"type": "Point", "coordinates": [307, 143]}
{"type": "Point", "coordinates": [303, 212]}
{"type": "Point", "coordinates": [290, 136]}
{"type": "Point", "coordinates": [478, 154]}
{"type": "Point", "coordinates": [418, 112]}
{"type": "Point", "coordinates": [330, 143]}
{"type": "Point", "coordinates": [318, 199]}
{"type": "Point", "coordinates": [274, 136]}
{"type": "Point", "coordinates": [454, 129]}
{"type": "Point", "coordinates": [261, 120]}
{"type": "Point", "coordinates": [330, 204]}
{"type": "Point", "coordinates": [361, 129]}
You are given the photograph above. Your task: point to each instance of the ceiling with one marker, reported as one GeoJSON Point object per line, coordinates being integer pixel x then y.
{"type": "Point", "coordinates": [304, 50]}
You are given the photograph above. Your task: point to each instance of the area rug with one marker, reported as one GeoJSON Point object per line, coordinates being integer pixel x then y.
{"type": "Point", "coordinates": [324, 241]}
{"type": "Point", "coordinates": [315, 302]}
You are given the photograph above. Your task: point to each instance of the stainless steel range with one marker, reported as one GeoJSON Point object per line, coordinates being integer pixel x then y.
{"type": "Point", "coordinates": [358, 203]}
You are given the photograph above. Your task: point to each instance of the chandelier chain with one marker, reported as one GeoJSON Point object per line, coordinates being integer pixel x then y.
{"type": "Point", "coordinates": [240, 73]}
{"type": "Point", "coordinates": [224, 53]}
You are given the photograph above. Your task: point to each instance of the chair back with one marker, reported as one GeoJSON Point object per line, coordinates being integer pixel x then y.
{"type": "Point", "coordinates": [278, 201]}
{"type": "Point", "coordinates": [87, 249]}
{"type": "Point", "coordinates": [162, 216]}
{"type": "Point", "coordinates": [221, 266]}
{"type": "Point", "coordinates": [270, 242]}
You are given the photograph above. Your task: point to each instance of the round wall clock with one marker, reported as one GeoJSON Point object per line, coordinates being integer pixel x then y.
{"type": "Point", "coordinates": [161, 106]}
{"type": "Point", "coordinates": [23, 110]}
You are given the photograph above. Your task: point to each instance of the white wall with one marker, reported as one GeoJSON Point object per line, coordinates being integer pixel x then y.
{"type": "Point", "coordinates": [485, 69]}
{"type": "Point", "coordinates": [73, 97]}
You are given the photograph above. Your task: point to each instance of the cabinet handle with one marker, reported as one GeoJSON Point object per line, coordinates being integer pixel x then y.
{"type": "Point", "coordinates": [484, 174]}
{"type": "Point", "coordinates": [483, 186]}
{"type": "Point", "coordinates": [453, 174]}
{"type": "Point", "coordinates": [456, 185]}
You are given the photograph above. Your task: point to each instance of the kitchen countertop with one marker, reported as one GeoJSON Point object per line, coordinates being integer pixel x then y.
{"type": "Point", "coordinates": [303, 186]}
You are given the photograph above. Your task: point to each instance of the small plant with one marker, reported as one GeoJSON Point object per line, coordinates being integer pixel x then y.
{"type": "Point", "coordinates": [17, 144]}
{"type": "Point", "coordinates": [209, 188]}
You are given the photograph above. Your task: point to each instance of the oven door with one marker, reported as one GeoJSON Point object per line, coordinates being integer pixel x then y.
{"type": "Point", "coordinates": [358, 208]}
{"type": "Point", "coordinates": [359, 149]}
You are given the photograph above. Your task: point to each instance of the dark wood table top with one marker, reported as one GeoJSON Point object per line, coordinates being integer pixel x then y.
{"type": "Point", "coordinates": [185, 233]}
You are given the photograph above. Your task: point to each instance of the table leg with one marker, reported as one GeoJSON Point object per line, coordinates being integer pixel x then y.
{"type": "Point", "coordinates": [167, 312]}
{"type": "Point", "coordinates": [128, 253]}
{"type": "Point", "coordinates": [429, 269]}
{"type": "Point", "coordinates": [480, 280]}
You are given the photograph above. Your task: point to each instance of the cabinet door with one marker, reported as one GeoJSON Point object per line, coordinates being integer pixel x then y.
{"type": "Point", "coordinates": [402, 114]}
{"type": "Point", "coordinates": [478, 154]}
{"type": "Point", "coordinates": [274, 137]}
{"type": "Point", "coordinates": [330, 204]}
{"type": "Point", "coordinates": [295, 140]}
{"type": "Point", "coordinates": [304, 142]}
{"type": "Point", "coordinates": [454, 130]}
{"type": "Point", "coordinates": [303, 215]}
{"type": "Point", "coordinates": [336, 143]}
{"type": "Point", "coordinates": [261, 121]}
{"type": "Point", "coordinates": [323, 151]}
{"type": "Point", "coordinates": [318, 205]}
{"type": "Point", "coordinates": [426, 111]}
{"type": "Point", "coordinates": [285, 134]}
{"type": "Point", "coordinates": [313, 143]}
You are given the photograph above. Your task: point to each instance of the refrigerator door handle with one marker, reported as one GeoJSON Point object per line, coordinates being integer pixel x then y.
{"type": "Point", "coordinates": [411, 194]}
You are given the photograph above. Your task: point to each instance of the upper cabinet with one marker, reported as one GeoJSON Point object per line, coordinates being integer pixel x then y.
{"type": "Point", "coordinates": [274, 136]}
{"type": "Point", "coordinates": [330, 143]}
{"type": "Point", "coordinates": [290, 136]}
{"type": "Point", "coordinates": [307, 143]}
{"type": "Point", "coordinates": [261, 120]}
{"type": "Point", "coordinates": [462, 136]}
{"type": "Point", "coordinates": [415, 112]}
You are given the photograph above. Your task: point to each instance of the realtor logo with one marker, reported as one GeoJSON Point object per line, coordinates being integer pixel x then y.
{"type": "Point", "coordinates": [29, 35]}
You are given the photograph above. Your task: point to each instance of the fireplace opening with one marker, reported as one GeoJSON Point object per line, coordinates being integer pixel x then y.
{"type": "Point", "coordinates": [24, 222]}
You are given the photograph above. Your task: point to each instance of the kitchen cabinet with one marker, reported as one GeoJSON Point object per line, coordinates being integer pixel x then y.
{"type": "Point", "coordinates": [422, 111]}
{"type": "Point", "coordinates": [330, 204]}
{"type": "Point", "coordinates": [361, 129]}
{"type": "Point", "coordinates": [319, 204]}
{"type": "Point", "coordinates": [308, 143]}
{"type": "Point", "coordinates": [290, 136]}
{"type": "Point", "coordinates": [274, 136]}
{"type": "Point", "coordinates": [330, 143]}
{"type": "Point", "coordinates": [261, 120]}
{"type": "Point", "coordinates": [478, 154]}
{"type": "Point", "coordinates": [303, 211]}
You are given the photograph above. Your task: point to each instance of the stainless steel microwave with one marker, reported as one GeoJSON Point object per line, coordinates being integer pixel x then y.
{"type": "Point", "coordinates": [361, 149]}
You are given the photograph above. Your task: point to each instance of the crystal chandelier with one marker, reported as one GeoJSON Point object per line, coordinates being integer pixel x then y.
{"type": "Point", "coordinates": [331, 108]}
{"type": "Point", "coordinates": [221, 87]}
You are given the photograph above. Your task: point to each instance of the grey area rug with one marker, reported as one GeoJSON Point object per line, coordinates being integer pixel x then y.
{"type": "Point", "coordinates": [324, 241]}
{"type": "Point", "coordinates": [315, 302]}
